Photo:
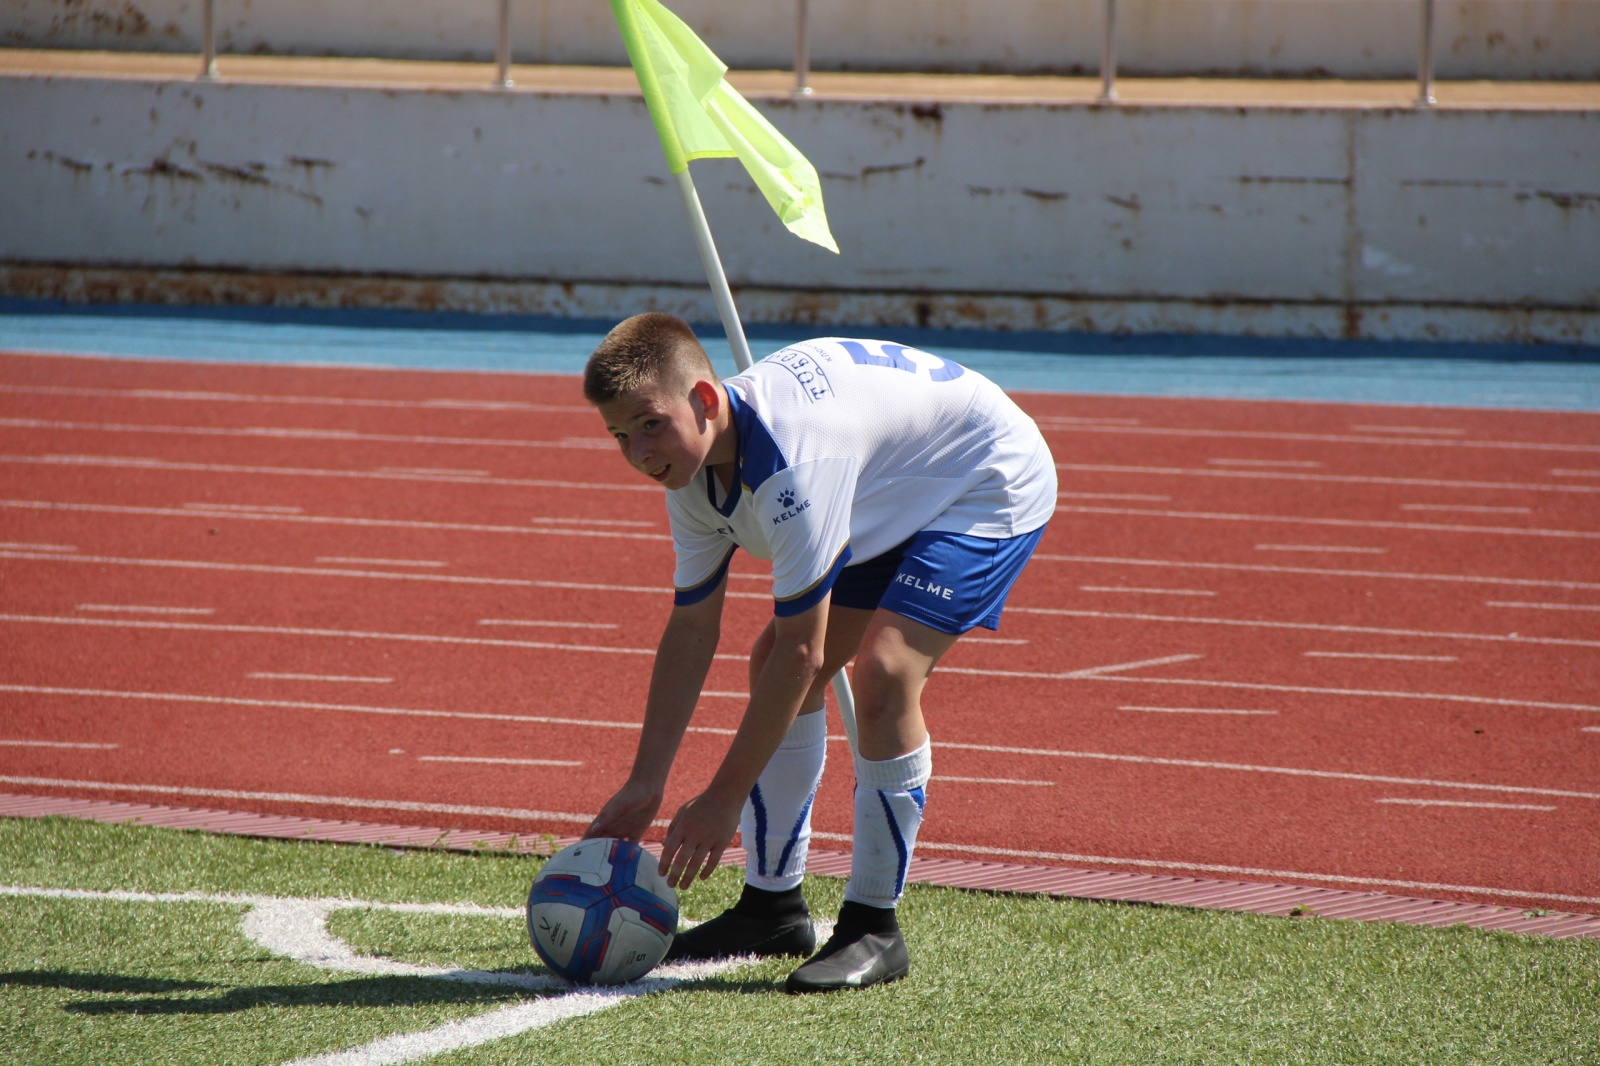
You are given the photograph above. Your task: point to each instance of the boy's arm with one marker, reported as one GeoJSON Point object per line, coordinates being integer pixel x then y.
{"type": "Point", "coordinates": [703, 827]}
{"type": "Point", "coordinates": [683, 658]}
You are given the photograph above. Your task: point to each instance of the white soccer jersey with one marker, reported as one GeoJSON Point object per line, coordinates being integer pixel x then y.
{"type": "Point", "coordinates": [846, 448]}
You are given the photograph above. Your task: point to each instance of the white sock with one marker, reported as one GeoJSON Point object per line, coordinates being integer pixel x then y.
{"type": "Point", "coordinates": [889, 799]}
{"type": "Point", "coordinates": [776, 820]}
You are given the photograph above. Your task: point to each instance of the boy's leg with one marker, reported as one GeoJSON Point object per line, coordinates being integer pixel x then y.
{"type": "Point", "coordinates": [892, 770]}
{"type": "Point", "coordinates": [771, 917]}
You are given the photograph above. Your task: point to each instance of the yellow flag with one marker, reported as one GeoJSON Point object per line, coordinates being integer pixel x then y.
{"type": "Point", "coordinates": [697, 114]}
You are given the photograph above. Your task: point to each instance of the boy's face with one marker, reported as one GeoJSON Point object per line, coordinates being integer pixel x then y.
{"type": "Point", "coordinates": [665, 435]}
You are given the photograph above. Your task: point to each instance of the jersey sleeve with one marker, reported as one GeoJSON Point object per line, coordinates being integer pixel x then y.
{"type": "Point", "coordinates": [806, 511]}
{"type": "Point", "coordinates": [702, 551]}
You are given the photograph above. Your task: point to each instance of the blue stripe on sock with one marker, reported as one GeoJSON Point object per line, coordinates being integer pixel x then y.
{"type": "Point", "coordinates": [904, 859]}
{"type": "Point", "coordinates": [760, 810]}
{"type": "Point", "coordinates": [794, 836]}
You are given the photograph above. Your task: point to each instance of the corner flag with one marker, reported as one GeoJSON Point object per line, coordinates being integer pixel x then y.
{"type": "Point", "coordinates": [697, 115]}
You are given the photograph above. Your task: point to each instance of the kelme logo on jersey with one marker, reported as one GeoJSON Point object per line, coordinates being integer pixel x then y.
{"type": "Point", "coordinates": [790, 508]}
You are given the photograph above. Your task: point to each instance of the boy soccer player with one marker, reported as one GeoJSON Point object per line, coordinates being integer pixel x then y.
{"type": "Point", "coordinates": [898, 496]}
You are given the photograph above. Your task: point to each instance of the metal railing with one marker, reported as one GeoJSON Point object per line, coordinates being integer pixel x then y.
{"type": "Point", "coordinates": [802, 49]}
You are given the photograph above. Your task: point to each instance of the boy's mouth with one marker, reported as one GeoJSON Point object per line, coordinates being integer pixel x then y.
{"type": "Point", "coordinates": [658, 474]}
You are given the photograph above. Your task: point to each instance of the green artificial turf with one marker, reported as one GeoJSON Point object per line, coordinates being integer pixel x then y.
{"type": "Point", "coordinates": [995, 979]}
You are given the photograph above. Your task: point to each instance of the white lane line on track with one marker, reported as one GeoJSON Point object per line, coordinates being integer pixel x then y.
{"type": "Point", "coordinates": [1467, 508]}
{"type": "Point", "coordinates": [1342, 523]}
{"type": "Point", "coordinates": [1408, 429]}
{"type": "Point", "coordinates": [493, 761]}
{"type": "Point", "coordinates": [1314, 627]}
{"type": "Point", "coordinates": [992, 640]}
{"type": "Point", "coordinates": [1112, 496]}
{"type": "Point", "coordinates": [1191, 710]}
{"type": "Point", "coordinates": [286, 433]}
{"type": "Point", "coordinates": [1349, 479]}
{"type": "Point", "coordinates": [264, 676]}
{"type": "Point", "coordinates": [1575, 473]}
{"type": "Point", "coordinates": [1380, 655]}
{"type": "Point", "coordinates": [1286, 463]}
{"type": "Point", "coordinates": [427, 470]}
{"type": "Point", "coordinates": [1069, 420]}
{"type": "Point", "coordinates": [1315, 571]}
{"type": "Point", "coordinates": [1320, 548]}
{"type": "Point", "coordinates": [132, 609]}
{"type": "Point", "coordinates": [1147, 592]}
{"type": "Point", "coordinates": [942, 778]}
{"type": "Point", "coordinates": [14, 546]}
{"type": "Point", "coordinates": [382, 575]}
{"type": "Point", "coordinates": [1330, 438]}
{"type": "Point", "coordinates": [85, 745]}
{"type": "Point", "coordinates": [353, 561]}
{"type": "Point", "coordinates": [243, 508]}
{"type": "Point", "coordinates": [331, 520]}
{"type": "Point", "coordinates": [1544, 606]}
{"type": "Point", "coordinates": [538, 622]}
{"type": "Point", "coordinates": [1052, 753]}
{"type": "Point", "coordinates": [330, 401]}
{"type": "Point", "coordinates": [924, 844]}
{"type": "Point", "coordinates": [1590, 729]}
{"type": "Point", "coordinates": [119, 462]}
{"type": "Point", "coordinates": [1465, 803]}
{"type": "Point", "coordinates": [546, 520]}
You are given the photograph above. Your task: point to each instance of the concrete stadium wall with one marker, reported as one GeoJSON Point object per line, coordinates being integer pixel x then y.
{"type": "Point", "coordinates": [1504, 39]}
{"type": "Point", "coordinates": [1338, 222]}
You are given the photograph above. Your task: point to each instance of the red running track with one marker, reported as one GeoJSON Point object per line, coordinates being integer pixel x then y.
{"type": "Point", "coordinates": [1339, 645]}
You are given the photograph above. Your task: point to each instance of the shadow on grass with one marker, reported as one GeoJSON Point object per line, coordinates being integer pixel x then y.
{"type": "Point", "coordinates": [382, 991]}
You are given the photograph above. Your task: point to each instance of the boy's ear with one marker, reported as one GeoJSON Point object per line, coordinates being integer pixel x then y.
{"type": "Point", "coordinates": [710, 401]}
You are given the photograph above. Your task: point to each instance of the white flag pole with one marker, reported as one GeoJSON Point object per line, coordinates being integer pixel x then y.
{"type": "Point", "coordinates": [741, 357]}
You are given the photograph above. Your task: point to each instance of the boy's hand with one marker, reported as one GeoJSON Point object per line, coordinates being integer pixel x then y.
{"type": "Point", "coordinates": [700, 832]}
{"type": "Point", "coordinates": [627, 814]}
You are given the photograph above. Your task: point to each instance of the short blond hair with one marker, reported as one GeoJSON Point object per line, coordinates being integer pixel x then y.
{"type": "Point", "coordinates": [654, 349]}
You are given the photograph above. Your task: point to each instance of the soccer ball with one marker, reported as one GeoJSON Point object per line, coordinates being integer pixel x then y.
{"type": "Point", "coordinates": [601, 913]}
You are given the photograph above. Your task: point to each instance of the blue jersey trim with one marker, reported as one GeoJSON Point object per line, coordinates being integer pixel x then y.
{"type": "Point", "coordinates": [695, 593]}
{"type": "Point", "coordinates": [812, 596]}
{"type": "Point", "coordinates": [759, 456]}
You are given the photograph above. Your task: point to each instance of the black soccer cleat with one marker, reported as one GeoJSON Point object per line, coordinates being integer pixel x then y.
{"type": "Point", "coordinates": [853, 959]}
{"type": "Point", "coordinates": [731, 933]}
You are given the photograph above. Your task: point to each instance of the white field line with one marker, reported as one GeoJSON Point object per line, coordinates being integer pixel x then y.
{"type": "Point", "coordinates": [1381, 655]}
{"type": "Point", "coordinates": [1544, 606]}
{"type": "Point", "coordinates": [112, 608]}
{"type": "Point", "coordinates": [493, 761]}
{"type": "Point", "coordinates": [322, 677]}
{"type": "Point", "coordinates": [1325, 438]}
{"type": "Point", "coordinates": [342, 634]}
{"type": "Point", "coordinates": [1316, 571]}
{"type": "Point", "coordinates": [1465, 803]}
{"type": "Point", "coordinates": [297, 401]}
{"type": "Point", "coordinates": [287, 433]}
{"type": "Point", "coordinates": [1348, 479]}
{"type": "Point", "coordinates": [298, 929]}
{"type": "Point", "coordinates": [56, 744]}
{"type": "Point", "coordinates": [355, 561]}
{"type": "Point", "coordinates": [1341, 523]}
{"type": "Point", "coordinates": [332, 520]}
{"type": "Point", "coordinates": [1320, 548]}
{"type": "Point", "coordinates": [1316, 627]}
{"type": "Point", "coordinates": [289, 471]}
{"type": "Point", "coordinates": [1191, 710]}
